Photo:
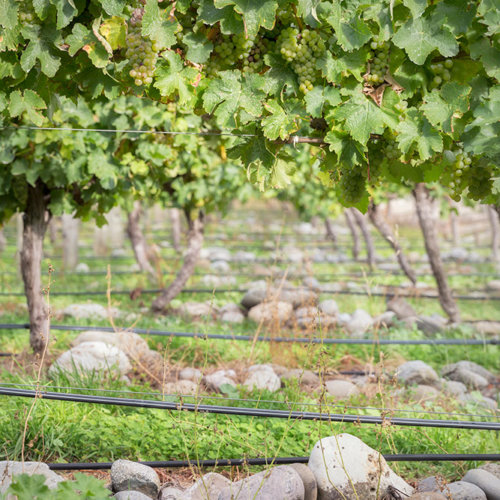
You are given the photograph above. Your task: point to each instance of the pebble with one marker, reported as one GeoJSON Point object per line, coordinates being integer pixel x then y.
{"type": "Point", "coordinates": [453, 387]}
{"type": "Point", "coordinates": [207, 487]}
{"type": "Point", "coordinates": [182, 387]}
{"type": "Point", "coordinates": [9, 469]}
{"type": "Point", "coordinates": [271, 312]}
{"type": "Point", "coordinates": [461, 490]}
{"type": "Point", "coordinates": [131, 495]}
{"type": "Point", "coordinates": [170, 493]}
{"type": "Point", "coordinates": [471, 367]}
{"type": "Point", "coordinates": [306, 377]}
{"type": "Point", "coordinates": [262, 377]}
{"type": "Point", "coordinates": [190, 373]}
{"type": "Point", "coordinates": [416, 372]}
{"type": "Point", "coordinates": [329, 307]}
{"type": "Point", "coordinates": [427, 496]}
{"type": "Point", "coordinates": [341, 389]}
{"type": "Point", "coordinates": [467, 377]}
{"type": "Point", "coordinates": [195, 309]}
{"type": "Point", "coordinates": [401, 308]}
{"type": "Point", "coordinates": [220, 378]}
{"type": "Point", "coordinates": [359, 323]}
{"type": "Point", "coordinates": [308, 479]}
{"type": "Point", "coordinates": [127, 475]}
{"type": "Point", "coordinates": [489, 483]}
{"type": "Point", "coordinates": [232, 317]}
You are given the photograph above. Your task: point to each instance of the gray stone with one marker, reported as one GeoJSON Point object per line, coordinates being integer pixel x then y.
{"type": "Point", "coordinates": [262, 377]}
{"type": "Point", "coordinates": [471, 367]}
{"type": "Point", "coordinates": [10, 469]}
{"type": "Point", "coordinates": [310, 486]}
{"type": "Point", "coordinates": [428, 484]}
{"type": "Point", "coordinates": [492, 468]}
{"type": "Point", "coordinates": [416, 372]}
{"type": "Point", "coordinates": [182, 387]}
{"type": "Point", "coordinates": [92, 356]}
{"type": "Point", "coordinates": [385, 319]}
{"type": "Point", "coordinates": [329, 307]}
{"type": "Point", "coordinates": [343, 318]}
{"type": "Point", "coordinates": [189, 373]}
{"type": "Point", "coordinates": [307, 312]}
{"type": "Point", "coordinates": [128, 475]}
{"type": "Point", "coordinates": [131, 495]}
{"type": "Point", "coordinates": [359, 323]}
{"type": "Point", "coordinates": [89, 311]}
{"type": "Point", "coordinates": [493, 286]}
{"type": "Point", "coordinates": [232, 317]}
{"type": "Point", "coordinates": [401, 308]}
{"type": "Point", "coordinates": [461, 490]}
{"type": "Point", "coordinates": [218, 379]}
{"type": "Point", "coordinates": [453, 387]}
{"type": "Point", "coordinates": [341, 389]}
{"type": "Point", "coordinates": [343, 462]}
{"type": "Point", "coordinates": [196, 309]}
{"type": "Point", "coordinates": [312, 283]}
{"type": "Point", "coordinates": [467, 377]}
{"type": "Point", "coordinates": [82, 268]}
{"type": "Point", "coordinates": [430, 324]}
{"type": "Point", "coordinates": [428, 495]}
{"type": "Point", "coordinates": [279, 483]}
{"type": "Point", "coordinates": [479, 399]}
{"type": "Point", "coordinates": [299, 297]}
{"type": "Point", "coordinates": [170, 493]}
{"type": "Point", "coordinates": [220, 266]}
{"type": "Point", "coordinates": [275, 312]}
{"type": "Point", "coordinates": [424, 393]}
{"type": "Point", "coordinates": [306, 377]}
{"type": "Point", "coordinates": [208, 487]}
{"type": "Point", "coordinates": [254, 297]}
{"type": "Point", "coordinates": [483, 479]}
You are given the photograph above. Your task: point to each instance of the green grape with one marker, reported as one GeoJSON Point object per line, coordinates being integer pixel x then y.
{"type": "Point", "coordinates": [142, 53]}
{"type": "Point", "coordinates": [441, 73]}
{"type": "Point", "coordinates": [480, 182]}
{"type": "Point", "coordinates": [352, 184]}
{"type": "Point", "coordinates": [26, 13]}
{"type": "Point", "coordinates": [379, 62]}
{"type": "Point", "coordinates": [459, 172]}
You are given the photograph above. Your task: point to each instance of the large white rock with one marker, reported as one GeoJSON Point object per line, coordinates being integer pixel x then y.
{"type": "Point", "coordinates": [217, 380]}
{"type": "Point", "coordinates": [90, 311]}
{"type": "Point", "coordinates": [195, 309]}
{"type": "Point", "coordinates": [182, 387]}
{"type": "Point", "coordinates": [329, 307]}
{"type": "Point", "coordinates": [207, 487]}
{"type": "Point", "coordinates": [341, 389]}
{"type": "Point", "coordinates": [130, 343]}
{"type": "Point", "coordinates": [343, 461]}
{"type": "Point", "coordinates": [262, 377]}
{"type": "Point", "coordinates": [416, 372]}
{"type": "Point", "coordinates": [92, 356]}
{"type": "Point", "coordinates": [271, 312]}
{"type": "Point", "coordinates": [359, 323]}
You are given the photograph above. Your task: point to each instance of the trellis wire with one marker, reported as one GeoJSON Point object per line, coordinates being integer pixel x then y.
{"type": "Point", "coordinates": [233, 462]}
{"type": "Point", "coordinates": [300, 340]}
{"type": "Point", "coordinates": [250, 412]}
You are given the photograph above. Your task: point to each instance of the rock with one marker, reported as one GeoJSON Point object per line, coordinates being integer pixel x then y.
{"type": "Point", "coordinates": [92, 356]}
{"type": "Point", "coordinates": [343, 461]}
{"type": "Point", "coordinates": [312, 283]}
{"type": "Point", "coordinates": [343, 318]}
{"type": "Point", "coordinates": [427, 496]}
{"type": "Point", "coordinates": [189, 373]}
{"type": "Point", "coordinates": [341, 389]}
{"type": "Point", "coordinates": [401, 308]}
{"type": "Point", "coordinates": [425, 393]}
{"type": "Point", "coordinates": [232, 317]}
{"type": "Point", "coordinates": [243, 256]}
{"type": "Point", "coordinates": [215, 253]}
{"type": "Point", "coordinates": [416, 372]}
{"type": "Point", "coordinates": [182, 387]}
{"type": "Point", "coordinates": [307, 312]}
{"type": "Point", "coordinates": [453, 388]}
{"type": "Point", "coordinates": [128, 475]}
{"type": "Point", "coordinates": [431, 324]}
{"type": "Point", "coordinates": [195, 309]}
{"type": "Point", "coordinates": [170, 493]}
{"type": "Point", "coordinates": [254, 297]}
{"type": "Point", "coordinates": [267, 312]}
{"type": "Point", "coordinates": [493, 286]}
{"type": "Point", "coordinates": [230, 307]}
{"type": "Point", "coordinates": [329, 307]}
{"type": "Point", "coordinates": [278, 483]}
{"type": "Point", "coordinates": [471, 367]}
{"type": "Point", "coordinates": [262, 377]}
{"type": "Point", "coordinates": [479, 399]}
{"type": "Point", "coordinates": [220, 266]}
{"type": "Point", "coordinates": [89, 311]}
{"type": "Point", "coordinates": [489, 483]}
{"type": "Point", "coordinates": [215, 281]}
{"type": "Point", "coordinates": [488, 327]}
{"type": "Point", "coordinates": [428, 484]}
{"type": "Point", "coordinates": [308, 479]}
{"type": "Point", "coordinates": [461, 490]}
{"type": "Point", "coordinates": [460, 373]}
{"type": "Point", "coordinates": [9, 469]}
{"type": "Point", "coordinates": [131, 495]}
{"type": "Point", "coordinates": [208, 487]}
{"type": "Point", "coordinates": [385, 320]}
{"type": "Point", "coordinates": [306, 377]}
{"type": "Point", "coordinates": [216, 380]}
{"type": "Point", "coordinates": [298, 297]}
{"type": "Point", "coordinates": [359, 323]}
{"type": "Point", "coordinates": [82, 268]}
{"type": "Point", "coordinates": [492, 468]}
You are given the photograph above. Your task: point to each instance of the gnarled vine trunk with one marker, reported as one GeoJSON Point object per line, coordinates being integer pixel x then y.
{"type": "Point", "coordinates": [354, 234]}
{"type": "Point", "coordinates": [35, 222]}
{"type": "Point", "coordinates": [195, 242]}
{"type": "Point", "coordinates": [455, 231]}
{"type": "Point", "coordinates": [175, 219]}
{"type": "Point", "coordinates": [365, 231]}
{"type": "Point", "coordinates": [427, 223]}
{"type": "Point", "coordinates": [70, 232]}
{"type": "Point", "coordinates": [3, 241]}
{"type": "Point", "coordinates": [385, 230]}
{"type": "Point", "coordinates": [138, 240]}
{"type": "Point", "coordinates": [495, 233]}
{"type": "Point", "coordinates": [330, 233]}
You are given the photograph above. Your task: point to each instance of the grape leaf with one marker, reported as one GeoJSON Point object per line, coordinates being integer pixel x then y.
{"type": "Point", "coordinates": [441, 106]}
{"type": "Point", "coordinates": [29, 102]}
{"type": "Point", "coordinates": [362, 118]}
{"type": "Point", "coordinates": [488, 112]}
{"type": "Point", "coordinates": [42, 40]}
{"type": "Point", "coordinates": [416, 131]}
{"type": "Point", "coordinates": [417, 7]}
{"type": "Point", "coordinates": [318, 97]}
{"type": "Point", "coordinates": [8, 13]}
{"type": "Point", "coordinates": [279, 76]}
{"type": "Point", "coordinates": [229, 93]}
{"type": "Point", "coordinates": [230, 21]}
{"type": "Point", "coordinates": [421, 36]}
{"type": "Point", "coordinates": [83, 38]}
{"type": "Point", "coordinates": [171, 76]}
{"type": "Point", "coordinates": [42, 8]}
{"type": "Point", "coordinates": [489, 54]}
{"type": "Point", "coordinates": [255, 14]}
{"type": "Point", "coordinates": [279, 123]}
{"type": "Point", "coordinates": [114, 31]}
{"type": "Point", "coordinates": [349, 152]}
{"type": "Point", "coordinates": [199, 48]}
{"type": "Point", "coordinates": [66, 11]}
{"type": "Point", "coordinates": [157, 27]}
{"type": "Point", "coordinates": [334, 67]}
{"type": "Point", "coordinates": [351, 33]}
{"type": "Point", "coordinates": [113, 7]}
{"type": "Point", "coordinates": [457, 15]}
{"type": "Point", "coordinates": [490, 11]}
{"type": "Point", "coordinates": [307, 10]}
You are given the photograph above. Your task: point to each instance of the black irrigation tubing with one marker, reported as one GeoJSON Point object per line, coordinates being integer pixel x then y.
{"type": "Point", "coordinates": [388, 294]}
{"type": "Point", "coordinates": [250, 412]}
{"type": "Point", "coordinates": [234, 462]}
{"type": "Point", "coordinates": [299, 340]}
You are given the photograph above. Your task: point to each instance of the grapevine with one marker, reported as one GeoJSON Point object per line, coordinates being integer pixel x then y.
{"type": "Point", "coordinates": [379, 62]}
{"type": "Point", "coordinates": [352, 184]}
{"type": "Point", "coordinates": [441, 73]}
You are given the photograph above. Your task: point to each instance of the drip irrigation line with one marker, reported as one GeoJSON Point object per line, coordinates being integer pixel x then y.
{"type": "Point", "coordinates": [233, 462]}
{"type": "Point", "coordinates": [388, 294]}
{"type": "Point", "coordinates": [243, 400]}
{"type": "Point", "coordinates": [251, 412]}
{"type": "Point", "coordinates": [300, 340]}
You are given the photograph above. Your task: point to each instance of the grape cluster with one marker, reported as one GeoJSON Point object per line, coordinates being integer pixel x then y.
{"type": "Point", "coordinates": [301, 50]}
{"type": "Point", "coordinates": [379, 62]}
{"type": "Point", "coordinates": [26, 13]}
{"type": "Point", "coordinates": [441, 71]}
{"type": "Point", "coordinates": [352, 184]}
{"type": "Point", "coordinates": [459, 171]}
{"type": "Point", "coordinates": [284, 16]}
{"type": "Point", "coordinates": [480, 182]}
{"type": "Point", "coordinates": [141, 52]}
{"type": "Point", "coordinates": [254, 61]}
